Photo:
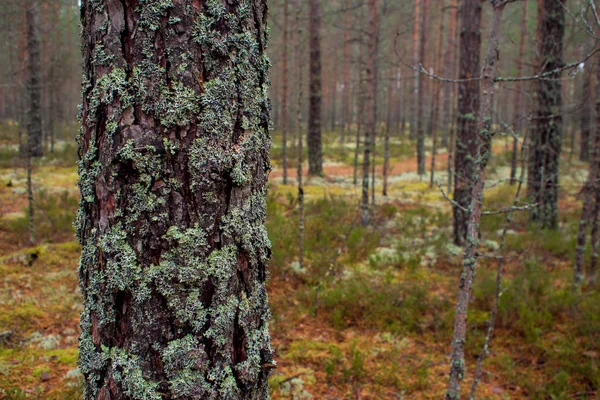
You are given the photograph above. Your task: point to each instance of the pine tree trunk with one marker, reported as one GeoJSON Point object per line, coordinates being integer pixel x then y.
{"type": "Point", "coordinates": [299, 155]}
{"type": "Point", "coordinates": [346, 73]}
{"type": "Point", "coordinates": [546, 138]}
{"type": "Point", "coordinates": [450, 72]}
{"type": "Point", "coordinates": [591, 204]}
{"type": "Point", "coordinates": [435, 98]}
{"type": "Point", "coordinates": [284, 93]}
{"type": "Point", "coordinates": [519, 113]}
{"type": "Point", "coordinates": [415, 63]}
{"type": "Point", "coordinates": [34, 109]}
{"type": "Point", "coordinates": [421, 90]}
{"type": "Point", "coordinates": [370, 104]}
{"type": "Point", "coordinates": [174, 162]}
{"type": "Point", "coordinates": [315, 151]}
{"type": "Point", "coordinates": [586, 113]}
{"type": "Point", "coordinates": [482, 154]}
{"type": "Point", "coordinates": [467, 139]}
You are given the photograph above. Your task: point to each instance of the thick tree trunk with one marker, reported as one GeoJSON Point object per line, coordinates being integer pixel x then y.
{"type": "Point", "coordinates": [315, 151]}
{"type": "Point", "coordinates": [546, 131]}
{"type": "Point", "coordinates": [467, 139]}
{"type": "Point", "coordinates": [174, 162]}
{"type": "Point", "coordinates": [482, 154]}
{"type": "Point", "coordinates": [34, 110]}
{"type": "Point", "coordinates": [421, 91]}
{"type": "Point", "coordinates": [370, 104]}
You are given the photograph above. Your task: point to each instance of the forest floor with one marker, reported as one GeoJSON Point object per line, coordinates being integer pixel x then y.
{"type": "Point", "coordinates": [370, 314]}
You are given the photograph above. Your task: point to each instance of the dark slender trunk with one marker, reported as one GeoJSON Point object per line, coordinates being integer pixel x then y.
{"type": "Point", "coordinates": [346, 74]}
{"type": "Point", "coordinates": [591, 203]}
{"type": "Point", "coordinates": [421, 91]}
{"type": "Point", "coordinates": [34, 114]}
{"type": "Point", "coordinates": [300, 146]}
{"type": "Point", "coordinates": [174, 157]}
{"type": "Point", "coordinates": [544, 157]}
{"type": "Point", "coordinates": [586, 113]}
{"type": "Point", "coordinates": [451, 149]}
{"type": "Point", "coordinates": [315, 151]}
{"type": "Point", "coordinates": [415, 61]}
{"type": "Point", "coordinates": [467, 139]}
{"type": "Point", "coordinates": [370, 104]}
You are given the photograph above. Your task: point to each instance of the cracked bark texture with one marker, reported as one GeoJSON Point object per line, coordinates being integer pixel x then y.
{"type": "Point", "coordinates": [174, 157]}
{"type": "Point", "coordinates": [467, 139]}
{"type": "Point", "coordinates": [546, 141]}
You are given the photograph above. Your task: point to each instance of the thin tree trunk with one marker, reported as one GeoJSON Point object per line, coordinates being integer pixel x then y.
{"type": "Point", "coordinates": [519, 113]}
{"type": "Point", "coordinates": [451, 147]}
{"type": "Point", "coordinates": [315, 151]}
{"type": "Point", "coordinates": [435, 98]}
{"type": "Point", "coordinates": [334, 91]}
{"type": "Point", "coordinates": [300, 149]}
{"type": "Point", "coordinates": [421, 92]}
{"type": "Point", "coordinates": [370, 103]}
{"type": "Point", "coordinates": [416, 75]}
{"type": "Point", "coordinates": [34, 114]}
{"type": "Point", "coordinates": [31, 208]}
{"type": "Point", "coordinates": [172, 174]}
{"type": "Point", "coordinates": [284, 93]}
{"type": "Point", "coordinates": [388, 126]}
{"type": "Point", "coordinates": [586, 113]}
{"type": "Point", "coordinates": [467, 138]}
{"type": "Point", "coordinates": [458, 368]}
{"type": "Point", "coordinates": [450, 72]}
{"type": "Point", "coordinates": [346, 73]}
{"type": "Point", "coordinates": [590, 209]}
{"type": "Point", "coordinates": [543, 172]}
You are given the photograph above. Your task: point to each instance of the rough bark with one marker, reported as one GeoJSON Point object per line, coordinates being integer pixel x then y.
{"type": "Point", "coordinates": [546, 141]}
{"type": "Point", "coordinates": [482, 154]}
{"type": "Point", "coordinates": [467, 139]}
{"type": "Point", "coordinates": [370, 104]}
{"type": "Point", "coordinates": [519, 112]}
{"type": "Point", "coordinates": [34, 66]}
{"type": "Point", "coordinates": [346, 74]}
{"type": "Point", "coordinates": [174, 157]}
{"type": "Point", "coordinates": [314, 141]}
{"type": "Point", "coordinates": [421, 91]}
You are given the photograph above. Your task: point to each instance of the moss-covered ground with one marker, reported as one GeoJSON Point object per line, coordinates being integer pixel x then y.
{"type": "Point", "coordinates": [370, 313]}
